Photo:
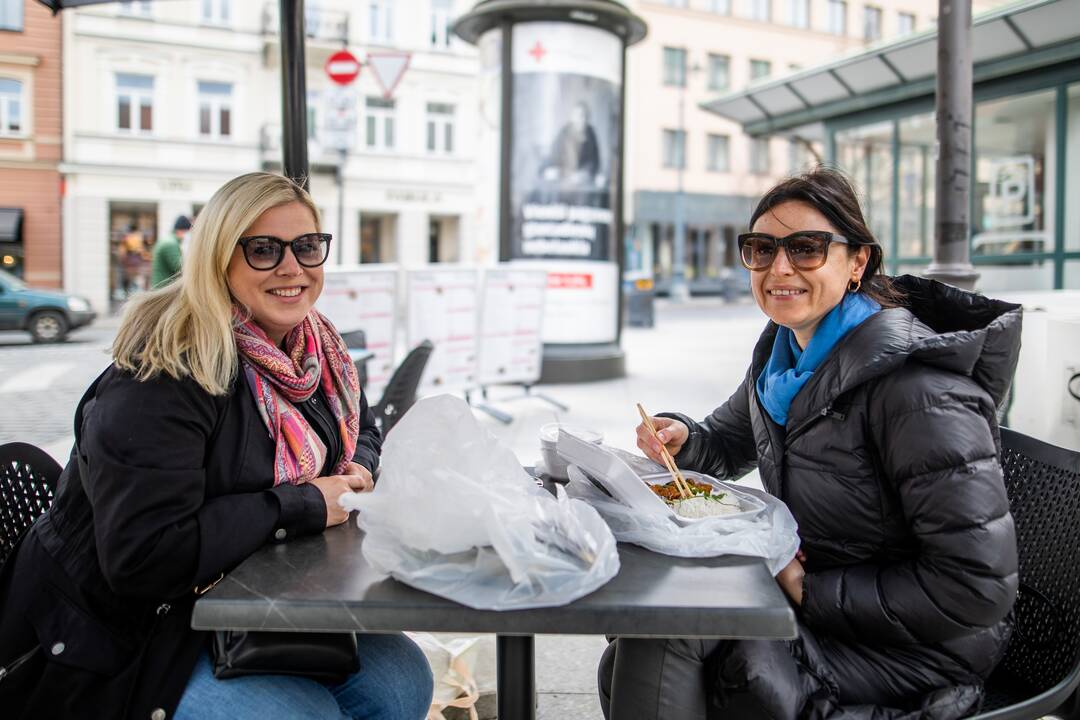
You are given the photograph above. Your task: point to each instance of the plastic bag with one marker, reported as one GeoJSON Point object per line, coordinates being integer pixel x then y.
{"type": "Point", "coordinates": [463, 668]}
{"type": "Point", "coordinates": [771, 534]}
{"type": "Point", "coordinates": [455, 514]}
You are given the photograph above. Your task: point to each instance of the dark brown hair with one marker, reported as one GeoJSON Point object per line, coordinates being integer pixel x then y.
{"type": "Point", "coordinates": [828, 191]}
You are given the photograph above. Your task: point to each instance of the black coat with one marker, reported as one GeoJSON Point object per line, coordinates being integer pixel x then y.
{"type": "Point", "coordinates": [890, 464]}
{"type": "Point", "coordinates": [179, 490]}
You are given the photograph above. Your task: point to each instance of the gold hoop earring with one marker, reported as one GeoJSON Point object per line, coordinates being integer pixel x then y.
{"type": "Point", "coordinates": [855, 289]}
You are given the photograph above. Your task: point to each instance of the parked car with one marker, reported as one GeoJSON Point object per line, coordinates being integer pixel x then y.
{"type": "Point", "coordinates": [48, 315]}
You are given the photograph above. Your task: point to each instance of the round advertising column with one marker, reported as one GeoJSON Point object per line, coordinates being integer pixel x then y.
{"type": "Point", "coordinates": [552, 100]}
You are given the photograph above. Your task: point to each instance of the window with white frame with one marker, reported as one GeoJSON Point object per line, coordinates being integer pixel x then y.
{"type": "Point", "coordinates": [720, 7]}
{"type": "Point", "coordinates": [381, 21]}
{"type": "Point", "coordinates": [759, 156]}
{"type": "Point", "coordinates": [379, 123]}
{"type": "Point", "coordinates": [216, 12]}
{"type": "Point", "coordinates": [799, 13]}
{"type": "Point", "coordinates": [215, 109]}
{"type": "Point", "coordinates": [440, 128]}
{"type": "Point", "coordinates": [719, 153]}
{"type": "Point", "coordinates": [871, 23]}
{"type": "Point", "coordinates": [442, 12]}
{"type": "Point", "coordinates": [11, 107]}
{"type": "Point", "coordinates": [675, 66]}
{"type": "Point", "coordinates": [676, 3]}
{"type": "Point", "coordinates": [719, 72]}
{"type": "Point", "coordinates": [907, 23]}
{"type": "Point", "coordinates": [760, 69]}
{"type": "Point", "coordinates": [134, 102]}
{"type": "Point", "coordinates": [838, 17]}
{"type": "Point", "coordinates": [11, 15]}
{"type": "Point", "coordinates": [760, 10]}
{"type": "Point", "coordinates": [312, 114]}
{"type": "Point", "coordinates": [136, 8]}
{"type": "Point", "coordinates": [675, 148]}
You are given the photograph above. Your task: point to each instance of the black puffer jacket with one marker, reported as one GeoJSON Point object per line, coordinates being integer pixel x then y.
{"type": "Point", "coordinates": [889, 463]}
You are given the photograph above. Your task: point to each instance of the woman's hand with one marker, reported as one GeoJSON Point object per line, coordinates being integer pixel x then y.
{"type": "Point", "coordinates": [360, 471]}
{"type": "Point", "coordinates": [673, 433]}
{"type": "Point", "coordinates": [333, 487]}
{"type": "Point", "coordinates": [791, 578]}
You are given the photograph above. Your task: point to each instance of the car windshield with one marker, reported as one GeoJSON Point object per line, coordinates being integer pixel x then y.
{"type": "Point", "coordinates": [11, 281]}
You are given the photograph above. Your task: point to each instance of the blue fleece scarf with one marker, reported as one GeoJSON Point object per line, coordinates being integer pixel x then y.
{"type": "Point", "coordinates": [790, 367]}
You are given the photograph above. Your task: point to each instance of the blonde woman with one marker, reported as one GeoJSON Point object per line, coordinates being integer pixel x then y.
{"type": "Point", "coordinates": [231, 417]}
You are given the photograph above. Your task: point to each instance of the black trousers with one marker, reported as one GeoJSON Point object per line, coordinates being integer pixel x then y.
{"type": "Point", "coordinates": [807, 678]}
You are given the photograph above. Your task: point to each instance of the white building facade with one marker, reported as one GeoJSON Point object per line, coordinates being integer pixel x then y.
{"type": "Point", "coordinates": [164, 102]}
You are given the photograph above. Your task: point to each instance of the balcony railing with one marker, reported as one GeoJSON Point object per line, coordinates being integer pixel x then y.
{"type": "Point", "coordinates": [319, 23]}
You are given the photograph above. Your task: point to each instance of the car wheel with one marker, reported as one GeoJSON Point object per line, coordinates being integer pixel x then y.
{"type": "Point", "coordinates": [48, 327]}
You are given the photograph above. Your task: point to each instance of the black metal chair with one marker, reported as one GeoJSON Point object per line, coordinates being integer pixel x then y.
{"type": "Point", "coordinates": [28, 477]}
{"type": "Point", "coordinates": [1041, 669]}
{"type": "Point", "coordinates": [357, 340]}
{"type": "Point", "coordinates": [400, 392]}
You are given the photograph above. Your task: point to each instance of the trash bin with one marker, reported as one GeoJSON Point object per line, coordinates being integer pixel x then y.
{"type": "Point", "coordinates": [638, 293]}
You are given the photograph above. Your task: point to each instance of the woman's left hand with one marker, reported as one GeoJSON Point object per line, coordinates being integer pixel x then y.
{"type": "Point", "coordinates": [363, 472]}
{"type": "Point", "coordinates": [791, 580]}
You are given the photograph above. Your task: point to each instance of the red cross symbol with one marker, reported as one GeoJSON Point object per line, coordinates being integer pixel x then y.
{"type": "Point", "coordinates": [538, 51]}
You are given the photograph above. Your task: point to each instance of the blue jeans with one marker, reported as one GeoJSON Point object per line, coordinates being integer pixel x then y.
{"type": "Point", "coordinates": [394, 683]}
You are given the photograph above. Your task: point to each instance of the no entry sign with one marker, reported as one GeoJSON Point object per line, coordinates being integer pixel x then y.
{"type": "Point", "coordinates": [342, 67]}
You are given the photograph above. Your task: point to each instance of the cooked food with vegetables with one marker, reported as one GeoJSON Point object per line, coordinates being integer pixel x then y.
{"type": "Point", "coordinates": [704, 501]}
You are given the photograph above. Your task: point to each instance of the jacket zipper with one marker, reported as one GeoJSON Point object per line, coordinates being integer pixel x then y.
{"type": "Point", "coordinates": [825, 412]}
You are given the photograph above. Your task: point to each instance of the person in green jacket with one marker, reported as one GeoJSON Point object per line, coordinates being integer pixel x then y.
{"type": "Point", "coordinates": [166, 262]}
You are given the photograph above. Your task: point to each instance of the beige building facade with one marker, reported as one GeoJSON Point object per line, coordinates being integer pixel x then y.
{"type": "Point", "coordinates": [695, 51]}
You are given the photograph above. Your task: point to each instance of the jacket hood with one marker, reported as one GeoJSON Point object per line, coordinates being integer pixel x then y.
{"type": "Point", "coordinates": [939, 325]}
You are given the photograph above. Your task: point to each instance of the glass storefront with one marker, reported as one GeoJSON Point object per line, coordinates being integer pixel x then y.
{"type": "Point", "coordinates": [1072, 173]}
{"type": "Point", "coordinates": [867, 155]}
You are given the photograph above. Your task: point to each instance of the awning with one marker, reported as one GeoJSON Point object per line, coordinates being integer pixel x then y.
{"type": "Point", "coordinates": [1016, 38]}
{"type": "Point", "coordinates": [11, 224]}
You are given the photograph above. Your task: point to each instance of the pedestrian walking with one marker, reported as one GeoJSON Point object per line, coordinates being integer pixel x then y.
{"type": "Point", "coordinates": [167, 257]}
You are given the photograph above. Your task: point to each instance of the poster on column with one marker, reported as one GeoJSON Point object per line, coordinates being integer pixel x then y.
{"type": "Point", "coordinates": [364, 299]}
{"type": "Point", "coordinates": [511, 318]}
{"type": "Point", "coordinates": [443, 308]}
{"type": "Point", "coordinates": [567, 83]}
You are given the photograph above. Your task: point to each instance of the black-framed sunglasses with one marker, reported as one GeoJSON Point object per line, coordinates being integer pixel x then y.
{"type": "Point", "coordinates": [265, 252]}
{"type": "Point", "coordinates": [806, 249]}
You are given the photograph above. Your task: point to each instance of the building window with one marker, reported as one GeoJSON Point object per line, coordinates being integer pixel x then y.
{"type": "Point", "coordinates": [907, 23]}
{"type": "Point", "coordinates": [381, 21]}
{"type": "Point", "coordinates": [871, 23]}
{"type": "Point", "coordinates": [760, 10]}
{"type": "Point", "coordinates": [675, 66]}
{"type": "Point", "coordinates": [215, 12]}
{"type": "Point", "coordinates": [838, 17]}
{"type": "Point", "coordinates": [759, 156]}
{"type": "Point", "coordinates": [799, 13]}
{"type": "Point", "coordinates": [215, 109]}
{"type": "Point", "coordinates": [719, 157]}
{"type": "Point", "coordinates": [11, 104]}
{"type": "Point", "coordinates": [760, 69]}
{"type": "Point", "coordinates": [11, 15]}
{"type": "Point", "coordinates": [379, 124]}
{"type": "Point", "coordinates": [134, 102]}
{"type": "Point", "coordinates": [136, 8]}
{"type": "Point", "coordinates": [675, 148]}
{"type": "Point", "coordinates": [720, 7]}
{"type": "Point", "coordinates": [719, 72]}
{"type": "Point", "coordinates": [312, 108]}
{"type": "Point", "coordinates": [440, 128]}
{"type": "Point", "coordinates": [441, 14]}
{"type": "Point", "coordinates": [676, 3]}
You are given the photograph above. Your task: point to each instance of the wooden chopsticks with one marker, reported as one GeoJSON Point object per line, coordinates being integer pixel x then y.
{"type": "Point", "coordinates": [680, 481]}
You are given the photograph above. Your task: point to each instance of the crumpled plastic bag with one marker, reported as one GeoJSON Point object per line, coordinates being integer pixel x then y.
{"type": "Point", "coordinates": [771, 534]}
{"type": "Point", "coordinates": [455, 514]}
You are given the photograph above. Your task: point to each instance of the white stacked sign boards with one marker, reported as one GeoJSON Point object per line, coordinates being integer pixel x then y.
{"type": "Point", "coordinates": [444, 308]}
{"type": "Point", "coordinates": [365, 299]}
{"type": "Point", "coordinates": [511, 318]}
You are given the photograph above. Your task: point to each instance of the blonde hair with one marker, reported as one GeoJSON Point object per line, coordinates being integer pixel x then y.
{"type": "Point", "coordinates": [186, 328]}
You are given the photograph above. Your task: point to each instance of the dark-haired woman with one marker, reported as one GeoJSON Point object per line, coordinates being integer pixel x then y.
{"type": "Point", "coordinates": [869, 408]}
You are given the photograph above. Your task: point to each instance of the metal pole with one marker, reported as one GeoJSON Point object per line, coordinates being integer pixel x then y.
{"type": "Point", "coordinates": [293, 92]}
{"type": "Point", "coordinates": [516, 676]}
{"type": "Point", "coordinates": [506, 143]}
{"type": "Point", "coordinates": [679, 292]}
{"type": "Point", "coordinates": [343, 156]}
{"type": "Point", "coordinates": [952, 259]}
{"type": "Point", "coordinates": [618, 234]}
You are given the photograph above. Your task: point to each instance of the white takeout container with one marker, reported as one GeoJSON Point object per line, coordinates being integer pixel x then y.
{"type": "Point", "coordinates": [630, 486]}
{"type": "Point", "coordinates": [554, 465]}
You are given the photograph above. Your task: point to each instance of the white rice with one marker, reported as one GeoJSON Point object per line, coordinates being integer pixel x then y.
{"type": "Point", "coordinates": [701, 507]}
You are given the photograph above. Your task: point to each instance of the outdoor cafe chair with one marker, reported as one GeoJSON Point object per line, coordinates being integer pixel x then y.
{"type": "Point", "coordinates": [400, 392]}
{"type": "Point", "coordinates": [28, 477]}
{"type": "Point", "coordinates": [1041, 670]}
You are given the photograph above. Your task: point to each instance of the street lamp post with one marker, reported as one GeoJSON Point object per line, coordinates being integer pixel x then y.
{"type": "Point", "coordinates": [680, 291]}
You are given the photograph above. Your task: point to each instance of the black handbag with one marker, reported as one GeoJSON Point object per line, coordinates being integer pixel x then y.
{"type": "Point", "coordinates": [326, 657]}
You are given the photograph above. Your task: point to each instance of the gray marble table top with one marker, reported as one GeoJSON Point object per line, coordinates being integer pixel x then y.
{"type": "Point", "coordinates": [323, 584]}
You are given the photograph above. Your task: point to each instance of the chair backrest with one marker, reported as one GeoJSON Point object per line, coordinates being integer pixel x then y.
{"type": "Point", "coordinates": [355, 339]}
{"type": "Point", "coordinates": [28, 477]}
{"type": "Point", "coordinates": [400, 392]}
{"type": "Point", "coordinates": [1043, 484]}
